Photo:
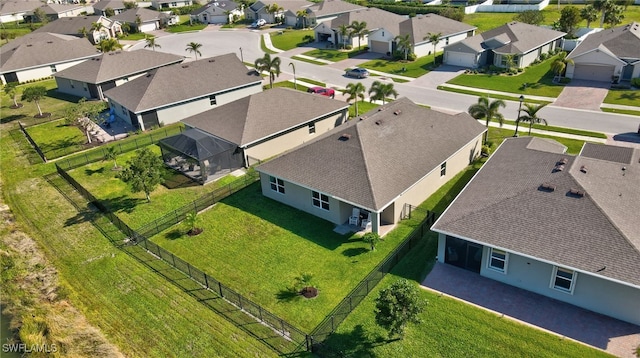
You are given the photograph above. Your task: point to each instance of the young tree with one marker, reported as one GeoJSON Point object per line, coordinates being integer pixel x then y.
{"type": "Point", "coordinates": [559, 65]}
{"type": "Point", "coordinates": [359, 28]}
{"type": "Point", "coordinates": [85, 115]}
{"type": "Point", "coordinates": [111, 153]}
{"type": "Point", "coordinates": [130, 5]}
{"type": "Point", "coordinates": [510, 61]}
{"type": "Point", "coordinates": [372, 239]}
{"type": "Point", "coordinates": [191, 221]}
{"type": "Point", "coordinates": [397, 306]}
{"type": "Point", "coordinates": [138, 23]}
{"type": "Point", "coordinates": [40, 16]}
{"type": "Point", "coordinates": [274, 9]}
{"type": "Point", "coordinates": [531, 17]}
{"type": "Point", "coordinates": [614, 16]}
{"type": "Point", "coordinates": [589, 13]}
{"type": "Point", "coordinates": [569, 19]}
{"type": "Point", "coordinates": [302, 15]}
{"type": "Point", "coordinates": [11, 90]}
{"type": "Point", "coordinates": [434, 38]}
{"type": "Point", "coordinates": [126, 28]}
{"type": "Point", "coordinates": [35, 94]}
{"type": "Point", "coordinates": [108, 12]}
{"type": "Point", "coordinates": [355, 92]}
{"type": "Point", "coordinates": [382, 91]}
{"type": "Point", "coordinates": [144, 172]}
{"type": "Point", "coordinates": [531, 115]}
{"type": "Point", "coordinates": [268, 64]}
{"type": "Point", "coordinates": [110, 44]}
{"type": "Point", "coordinates": [194, 48]}
{"type": "Point", "coordinates": [488, 111]}
{"type": "Point", "coordinates": [150, 42]}
{"type": "Point", "coordinates": [603, 6]}
{"type": "Point", "coordinates": [403, 44]}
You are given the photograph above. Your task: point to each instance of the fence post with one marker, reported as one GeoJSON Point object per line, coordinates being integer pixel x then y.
{"type": "Point", "coordinates": [206, 281]}
{"type": "Point", "coordinates": [260, 313]}
{"type": "Point", "coordinates": [239, 300]}
{"type": "Point", "coordinates": [220, 289]}
{"type": "Point", "coordinates": [159, 255]}
{"type": "Point", "coordinates": [282, 326]}
{"type": "Point", "coordinates": [189, 269]}
{"type": "Point", "coordinates": [173, 258]}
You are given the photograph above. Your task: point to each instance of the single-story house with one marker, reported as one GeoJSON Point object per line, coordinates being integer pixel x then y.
{"type": "Point", "coordinates": [387, 22]}
{"type": "Point", "coordinates": [149, 20]}
{"type": "Point", "coordinates": [171, 93]}
{"type": "Point", "coordinates": [418, 28]}
{"type": "Point", "coordinates": [218, 12]}
{"type": "Point", "coordinates": [91, 78]}
{"type": "Point", "coordinates": [81, 25]}
{"type": "Point", "coordinates": [523, 41]}
{"type": "Point", "coordinates": [169, 4]}
{"type": "Point", "coordinates": [289, 9]}
{"type": "Point", "coordinates": [397, 154]}
{"type": "Point", "coordinates": [608, 55]}
{"type": "Point", "coordinates": [559, 225]}
{"type": "Point", "coordinates": [327, 10]}
{"type": "Point", "coordinates": [249, 130]}
{"type": "Point", "coordinates": [16, 10]}
{"type": "Point", "coordinates": [55, 11]}
{"type": "Point", "coordinates": [38, 55]}
{"type": "Point", "coordinates": [101, 6]}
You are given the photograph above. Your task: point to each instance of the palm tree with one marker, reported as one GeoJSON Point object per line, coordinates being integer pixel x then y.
{"type": "Point", "coordinates": [194, 47]}
{"type": "Point", "coordinates": [488, 111]}
{"type": "Point", "coordinates": [111, 153]}
{"type": "Point", "coordinates": [559, 65]}
{"type": "Point", "coordinates": [355, 91]}
{"type": "Point", "coordinates": [589, 13]}
{"type": "Point", "coordinates": [83, 32]}
{"type": "Point", "coordinates": [614, 16]}
{"type": "Point", "coordinates": [403, 44]}
{"type": "Point", "coordinates": [434, 38]}
{"type": "Point", "coordinates": [274, 9]}
{"type": "Point", "coordinates": [359, 28]}
{"type": "Point", "coordinates": [603, 6]}
{"type": "Point", "coordinates": [381, 91]}
{"type": "Point", "coordinates": [108, 45]}
{"type": "Point", "coordinates": [344, 32]}
{"type": "Point", "coordinates": [302, 15]}
{"type": "Point", "coordinates": [531, 115]}
{"type": "Point", "coordinates": [150, 42]}
{"type": "Point", "coordinates": [96, 26]}
{"type": "Point", "coordinates": [191, 221]}
{"type": "Point", "coordinates": [509, 60]}
{"type": "Point", "coordinates": [270, 65]}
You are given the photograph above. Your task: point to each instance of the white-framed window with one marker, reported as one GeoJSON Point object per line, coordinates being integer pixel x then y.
{"type": "Point", "coordinates": [53, 68]}
{"type": "Point", "coordinates": [563, 279]}
{"type": "Point", "coordinates": [277, 184]}
{"type": "Point", "coordinates": [174, 4]}
{"type": "Point", "coordinates": [498, 260]}
{"type": "Point", "coordinates": [320, 200]}
{"type": "Point", "coordinates": [212, 100]}
{"type": "Point", "coordinates": [312, 128]}
{"type": "Point", "coordinates": [443, 169]}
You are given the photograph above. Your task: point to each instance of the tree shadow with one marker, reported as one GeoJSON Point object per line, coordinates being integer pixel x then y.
{"type": "Point", "coordinates": [173, 234]}
{"type": "Point", "coordinates": [357, 343]}
{"type": "Point", "coordinates": [11, 118]}
{"type": "Point", "coordinates": [288, 294]}
{"type": "Point", "coordinates": [630, 96]}
{"type": "Point", "coordinates": [354, 251]}
{"type": "Point", "coordinates": [90, 172]}
{"type": "Point", "coordinates": [81, 217]}
{"type": "Point", "coordinates": [64, 144]}
{"type": "Point", "coordinates": [122, 203]}
{"type": "Point", "coordinates": [53, 93]}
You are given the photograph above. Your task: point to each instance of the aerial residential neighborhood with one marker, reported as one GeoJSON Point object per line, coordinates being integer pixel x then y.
{"type": "Point", "coordinates": [322, 178]}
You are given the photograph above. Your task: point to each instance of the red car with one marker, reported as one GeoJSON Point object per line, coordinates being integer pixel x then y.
{"type": "Point", "coordinates": [329, 92]}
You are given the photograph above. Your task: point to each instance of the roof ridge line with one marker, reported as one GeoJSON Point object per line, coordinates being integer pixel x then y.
{"type": "Point", "coordinates": [366, 167]}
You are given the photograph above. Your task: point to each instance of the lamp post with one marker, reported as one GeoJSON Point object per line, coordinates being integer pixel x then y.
{"type": "Point", "coordinates": [241, 57]}
{"type": "Point", "coordinates": [295, 85]}
{"type": "Point", "coordinates": [518, 119]}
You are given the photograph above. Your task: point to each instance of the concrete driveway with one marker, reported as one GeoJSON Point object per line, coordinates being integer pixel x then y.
{"type": "Point", "coordinates": [438, 76]}
{"type": "Point", "coordinates": [582, 94]}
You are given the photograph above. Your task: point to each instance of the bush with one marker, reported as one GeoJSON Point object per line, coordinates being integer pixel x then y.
{"type": "Point", "coordinates": [543, 56]}
{"type": "Point", "coordinates": [520, 69]}
{"type": "Point", "coordinates": [636, 82]}
{"type": "Point", "coordinates": [565, 80]}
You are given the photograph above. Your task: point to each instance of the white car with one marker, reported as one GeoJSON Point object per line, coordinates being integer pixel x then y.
{"type": "Point", "coordinates": [259, 23]}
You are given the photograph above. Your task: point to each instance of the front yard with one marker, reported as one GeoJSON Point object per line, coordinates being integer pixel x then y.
{"type": "Point", "coordinates": [624, 97]}
{"type": "Point", "coordinates": [415, 69]}
{"type": "Point", "coordinates": [290, 39]}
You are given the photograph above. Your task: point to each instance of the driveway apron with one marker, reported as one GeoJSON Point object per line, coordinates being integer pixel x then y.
{"type": "Point", "coordinates": [582, 94]}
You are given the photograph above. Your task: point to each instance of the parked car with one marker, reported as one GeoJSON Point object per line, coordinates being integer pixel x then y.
{"type": "Point", "coordinates": [329, 92]}
{"type": "Point", "coordinates": [358, 72]}
{"type": "Point", "coordinates": [259, 23]}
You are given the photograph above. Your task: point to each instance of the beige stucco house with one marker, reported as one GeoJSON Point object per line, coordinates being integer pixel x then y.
{"type": "Point", "coordinates": [397, 154]}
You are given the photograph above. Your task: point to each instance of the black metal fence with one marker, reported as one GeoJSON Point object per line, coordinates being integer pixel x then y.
{"type": "Point", "coordinates": [351, 301]}
{"type": "Point", "coordinates": [33, 143]}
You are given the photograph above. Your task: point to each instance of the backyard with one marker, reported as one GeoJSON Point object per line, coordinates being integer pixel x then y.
{"type": "Point", "coordinates": [56, 138]}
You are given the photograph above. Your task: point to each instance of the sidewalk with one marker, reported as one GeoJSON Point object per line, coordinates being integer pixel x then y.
{"type": "Point", "coordinates": [514, 95]}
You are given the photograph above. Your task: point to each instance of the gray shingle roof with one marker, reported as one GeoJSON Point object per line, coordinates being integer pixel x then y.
{"type": "Point", "coordinates": [104, 4]}
{"type": "Point", "coordinates": [511, 38]}
{"type": "Point", "coordinates": [55, 9]}
{"type": "Point", "coordinates": [503, 206]}
{"type": "Point", "coordinates": [261, 115]}
{"type": "Point", "coordinates": [18, 6]}
{"type": "Point", "coordinates": [420, 26]}
{"type": "Point", "coordinates": [182, 82]}
{"type": "Point", "coordinates": [130, 15]}
{"type": "Point", "coordinates": [217, 7]}
{"type": "Point", "coordinates": [115, 65]}
{"type": "Point", "coordinates": [375, 19]}
{"type": "Point", "coordinates": [292, 5]}
{"type": "Point", "coordinates": [623, 41]}
{"type": "Point", "coordinates": [333, 7]}
{"type": "Point", "coordinates": [385, 155]}
{"type": "Point", "coordinates": [70, 25]}
{"type": "Point", "coordinates": [41, 49]}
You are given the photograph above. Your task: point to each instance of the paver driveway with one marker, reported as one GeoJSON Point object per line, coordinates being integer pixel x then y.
{"type": "Point", "coordinates": [582, 94]}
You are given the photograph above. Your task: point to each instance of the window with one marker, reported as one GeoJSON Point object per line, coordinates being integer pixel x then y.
{"type": "Point", "coordinates": [174, 4]}
{"type": "Point", "coordinates": [212, 100]}
{"type": "Point", "coordinates": [563, 279]}
{"type": "Point", "coordinates": [443, 169]}
{"type": "Point", "coordinates": [53, 69]}
{"type": "Point", "coordinates": [277, 184]}
{"type": "Point", "coordinates": [312, 128]}
{"type": "Point", "coordinates": [498, 260]}
{"type": "Point", "coordinates": [447, 41]}
{"type": "Point", "coordinates": [320, 200]}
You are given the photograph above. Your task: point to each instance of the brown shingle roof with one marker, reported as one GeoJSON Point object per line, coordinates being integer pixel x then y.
{"type": "Point", "coordinates": [387, 152]}
{"type": "Point", "coordinates": [504, 207]}
{"type": "Point", "coordinates": [261, 115]}
{"type": "Point", "coordinates": [623, 41]}
{"type": "Point", "coordinates": [182, 82]}
{"type": "Point", "coordinates": [115, 65]}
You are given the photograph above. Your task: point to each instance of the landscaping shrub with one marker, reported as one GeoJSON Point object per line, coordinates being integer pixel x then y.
{"type": "Point", "coordinates": [565, 80]}
{"type": "Point", "coordinates": [636, 82]}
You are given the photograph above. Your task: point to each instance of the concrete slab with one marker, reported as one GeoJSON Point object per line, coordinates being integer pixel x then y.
{"type": "Point", "coordinates": [440, 75]}
{"type": "Point", "coordinates": [583, 95]}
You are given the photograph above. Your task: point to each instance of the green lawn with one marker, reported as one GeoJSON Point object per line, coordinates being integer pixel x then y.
{"type": "Point", "coordinates": [288, 84]}
{"type": "Point", "coordinates": [136, 36]}
{"type": "Point", "coordinates": [413, 69]}
{"type": "Point", "coordinates": [185, 25]}
{"type": "Point", "coordinates": [497, 135]}
{"type": "Point", "coordinates": [57, 139]}
{"type": "Point", "coordinates": [363, 107]}
{"type": "Point", "coordinates": [559, 129]}
{"type": "Point", "coordinates": [258, 246]}
{"type": "Point", "coordinates": [493, 95]}
{"type": "Point", "coordinates": [303, 59]}
{"type": "Point", "coordinates": [538, 78]}
{"type": "Point", "coordinates": [620, 111]}
{"type": "Point", "coordinates": [289, 39]}
{"type": "Point", "coordinates": [624, 97]}
{"type": "Point", "coordinates": [333, 55]}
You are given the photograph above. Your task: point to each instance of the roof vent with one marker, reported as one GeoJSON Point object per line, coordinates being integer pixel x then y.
{"type": "Point", "coordinates": [344, 137]}
{"type": "Point", "coordinates": [378, 123]}
{"type": "Point", "coordinates": [212, 60]}
{"type": "Point", "coordinates": [562, 161]}
{"type": "Point", "coordinates": [547, 187]}
{"type": "Point", "coordinates": [397, 112]}
{"type": "Point", "coordinates": [185, 66]}
{"type": "Point", "coordinates": [29, 45]}
{"type": "Point", "coordinates": [558, 168]}
{"type": "Point", "coordinates": [576, 193]}
{"type": "Point", "coordinates": [583, 169]}
{"type": "Point", "coordinates": [49, 42]}
{"type": "Point", "coordinates": [380, 109]}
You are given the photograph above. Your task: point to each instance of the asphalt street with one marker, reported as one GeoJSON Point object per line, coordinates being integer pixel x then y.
{"type": "Point", "coordinates": [246, 45]}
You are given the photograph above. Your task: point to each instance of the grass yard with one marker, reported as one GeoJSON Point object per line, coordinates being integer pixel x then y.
{"type": "Point", "coordinates": [287, 84]}
{"type": "Point", "coordinates": [136, 36]}
{"type": "Point", "coordinates": [538, 78]}
{"type": "Point", "coordinates": [363, 107]}
{"type": "Point", "coordinates": [185, 25]}
{"type": "Point", "coordinates": [557, 129]}
{"type": "Point", "coordinates": [258, 246]}
{"type": "Point", "coordinates": [413, 69]}
{"type": "Point", "coordinates": [620, 111]}
{"type": "Point", "coordinates": [624, 97]}
{"type": "Point", "coordinates": [493, 95]}
{"type": "Point", "coordinates": [333, 55]}
{"type": "Point", "coordinates": [303, 59]}
{"type": "Point", "coordinates": [497, 135]}
{"type": "Point", "coordinates": [57, 139]}
{"type": "Point", "coordinates": [289, 39]}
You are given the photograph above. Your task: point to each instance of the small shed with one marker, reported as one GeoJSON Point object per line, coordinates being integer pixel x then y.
{"type": "Point", "coordinates": [200, 156]}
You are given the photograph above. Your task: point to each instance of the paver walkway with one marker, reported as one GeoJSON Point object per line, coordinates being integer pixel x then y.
{"type": "Point", "coordinates": [614, 336]}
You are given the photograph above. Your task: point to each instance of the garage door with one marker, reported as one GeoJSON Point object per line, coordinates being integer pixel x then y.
{"type": "Point", "coordinates": [460, 59]}
{"type": "Point", "coordinates": [148, 27]}
{"type": "Point", "coordinates": [593, 73]}
{"type": "Point", "coordinates": [379, 47]}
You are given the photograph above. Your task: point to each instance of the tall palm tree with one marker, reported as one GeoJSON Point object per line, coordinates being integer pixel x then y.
{"type": "Point", "coordinates": [344, 32]}
{"type": "Point", "coordinates": [274, 9]}
{"type": "Point", "coordinates": [355, 91]}
{"type": "Point", "coordinates": [531, 115]}
{"type": "Point", "coordinates": [150, 42]}
{"type": "Point", "coordinates": [603, 6]}
{"type": "Point", "coordinates": [359, 28]}
{"type": "Point", "coordinates": [487, 110]}
{"type": "Point", "coordinates": [194, 48]}
{"type": "Point", "coordinates": [302, 15]}
{"type": "Point", "coordinates": [108, 45]}
{"type": "Point", "coordinates": [403, 44]}
{"type": "Point", "coordinates": [559, 65]}
{"type": "Point", "coordinates": [83, 32]}
{"type": "Point", "coordinates": [268, 64]}
{"type": "Point", "coordinates": [381, 91]}
{"type": "Point", "coordinates": [434, 38]}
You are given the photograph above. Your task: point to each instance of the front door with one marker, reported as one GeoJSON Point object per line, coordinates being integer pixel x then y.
{"type": "Point", "coordinates": [464, 254]}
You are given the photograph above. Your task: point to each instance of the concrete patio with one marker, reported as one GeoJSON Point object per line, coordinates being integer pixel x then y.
{"type": "Point", "coordinates": [614, 336]}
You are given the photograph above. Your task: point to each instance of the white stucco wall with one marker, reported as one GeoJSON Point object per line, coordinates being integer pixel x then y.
{"type": "Point", "coordinates": [426, 48]}
{"type": "Point", "coordinates": [44, 71]}
{"type": "Point", "coordinates": [380, 35]}
{"type": "Point", "coordinates": [79, 89]}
